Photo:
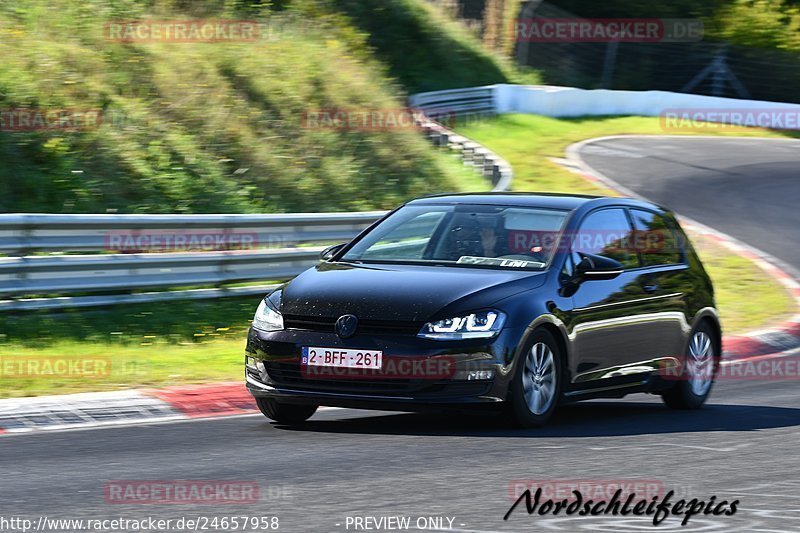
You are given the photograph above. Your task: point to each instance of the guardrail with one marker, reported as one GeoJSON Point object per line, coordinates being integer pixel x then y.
{"type": "Point", "coordinates": [459, 102]}
{"type": "Point", "coordinates": [444, 106]}
{"type": "Point", "coordinates": [95, 273]}
{"type": "Point", "coordinates": [24, 233]}
{"type": "Point", "coordinates": [279, 243]}
{"type": "Point", "coordinates": [273, 240]}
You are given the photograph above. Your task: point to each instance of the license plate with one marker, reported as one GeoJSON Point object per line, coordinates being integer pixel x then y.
{"type": "Point", "coordinates": [342, 357]}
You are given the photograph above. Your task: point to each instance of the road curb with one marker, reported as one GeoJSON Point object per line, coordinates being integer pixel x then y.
{"type": "Point", "coordinates": [85, 410]}
{"type": "Point", "coordinates": [204, 401]}
{"type": "Point", "coordinates": [126, 407]}
{"type": "Point", "coordinates": [773, 341]}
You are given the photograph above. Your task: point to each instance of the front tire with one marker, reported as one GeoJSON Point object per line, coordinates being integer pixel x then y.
{"type": "Point", "coordinates": [285, 413]}
{"type": "Point", "coordinates": [699, 371]}
{"type": "Point", "coordinates": [537, 383]}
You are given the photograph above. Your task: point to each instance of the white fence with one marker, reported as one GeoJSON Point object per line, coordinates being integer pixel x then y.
{"type": "Point", "coordinates": [571, 102]}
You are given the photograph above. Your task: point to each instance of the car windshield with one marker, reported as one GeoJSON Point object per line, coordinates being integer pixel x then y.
{"type": "Point", "coordinates": [488, 236]}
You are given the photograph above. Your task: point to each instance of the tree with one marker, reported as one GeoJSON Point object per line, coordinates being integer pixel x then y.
{"type": "Point", "coordinates": [498, 24]}
{"type": "Point", "coordinates": [761, 23]}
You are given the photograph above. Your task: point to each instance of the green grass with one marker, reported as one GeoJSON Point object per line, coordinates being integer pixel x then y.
{"type": "Point", "coordinates": [747, 298]}
{"type": "Point", "coordinates": [128, 366]}
{"type": "Point", "coordinates": [143, 345]}
{"type": "Point", "coordinates": [185, 323]}
{"type": "Point", "coordinates": [209, 128]}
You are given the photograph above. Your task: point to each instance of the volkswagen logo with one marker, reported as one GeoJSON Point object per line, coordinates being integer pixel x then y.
{"type": "Point", "coordinates": [346, 326]}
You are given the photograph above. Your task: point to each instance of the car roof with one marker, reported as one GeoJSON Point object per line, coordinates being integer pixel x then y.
{"type": "Point", "coordinates": [568, 202]}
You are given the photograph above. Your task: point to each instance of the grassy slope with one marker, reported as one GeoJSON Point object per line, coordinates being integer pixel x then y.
{"type": "Point", "coordinates": [210, 127]}
{"type": "Point", "coordinates": [746, 298]}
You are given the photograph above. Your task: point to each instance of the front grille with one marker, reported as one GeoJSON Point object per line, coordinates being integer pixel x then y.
{"type": "Point", "coordinates": [365, 327]}
{"type": "Point", "coordinates": [290, 375]}
{"type": "Point", "coordinates": [308, 323]}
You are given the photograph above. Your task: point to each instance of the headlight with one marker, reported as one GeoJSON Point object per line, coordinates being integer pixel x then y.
{"type": "Point", "coordinates": [267, 318]}
{"type": "Point", "coordinates": [482, 325]}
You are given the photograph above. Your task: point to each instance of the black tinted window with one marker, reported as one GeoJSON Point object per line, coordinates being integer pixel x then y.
{"type": "Point", "coordinates": [608, 233]}
{"type": "Point", "coordinates": [655, 239]}
{"type": "Point", "coordinates": [479, 236]}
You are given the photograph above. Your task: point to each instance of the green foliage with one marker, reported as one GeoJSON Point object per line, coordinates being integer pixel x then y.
{"type": "Point", "coordinates": [641, 8]}
{"type": "Point", "coordinates": [757, 23]}
{"type": "Point", "coordinates": [762, 24]}
{"type": "Point", "coordinates": [424, 50]}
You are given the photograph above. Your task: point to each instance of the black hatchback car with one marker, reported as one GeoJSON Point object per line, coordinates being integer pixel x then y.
{"type": "Point", "coordinates": [519, 301]}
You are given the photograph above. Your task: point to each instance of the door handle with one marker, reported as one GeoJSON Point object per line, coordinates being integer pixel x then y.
{"type": "Point", "coordinates": [651, 288]}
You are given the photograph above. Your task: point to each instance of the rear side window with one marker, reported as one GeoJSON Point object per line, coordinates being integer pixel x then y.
{"type": "Point", "coordinates": [608, 233]}
{"type": "Point", "coordinates": [655, 239]}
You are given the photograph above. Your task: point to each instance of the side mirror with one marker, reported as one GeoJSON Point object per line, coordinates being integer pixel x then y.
{"type": "Point", "coordinates": [330, 251]}
{"type": "Point", "coordinates": [596, 267]}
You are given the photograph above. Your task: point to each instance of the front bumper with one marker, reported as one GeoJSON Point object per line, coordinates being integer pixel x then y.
{"type": "Point", "coordinates": [441, 382]}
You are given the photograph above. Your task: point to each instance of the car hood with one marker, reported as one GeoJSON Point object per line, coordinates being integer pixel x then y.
{"type": "Point", "coordinates": [400, 292]}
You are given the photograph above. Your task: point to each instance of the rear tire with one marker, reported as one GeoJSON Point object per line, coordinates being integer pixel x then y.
{"type": "Point", "coordinates": [537, 383]}
{"type": "Point", "coordinates": [699, 370]}
{"type": "Point", "coordinates": [285, 413]}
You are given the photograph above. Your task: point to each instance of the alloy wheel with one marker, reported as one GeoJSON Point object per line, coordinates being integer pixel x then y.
{"type": "Point", "coordinates": [700, 363]}
{"type": "Point", "coordinates": [539, 379]}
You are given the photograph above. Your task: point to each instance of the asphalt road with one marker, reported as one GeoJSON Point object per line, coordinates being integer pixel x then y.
{"type": "Point", "coordinates": [747, 188]}
{"type": "Point", "coordinates": [346, 463]}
